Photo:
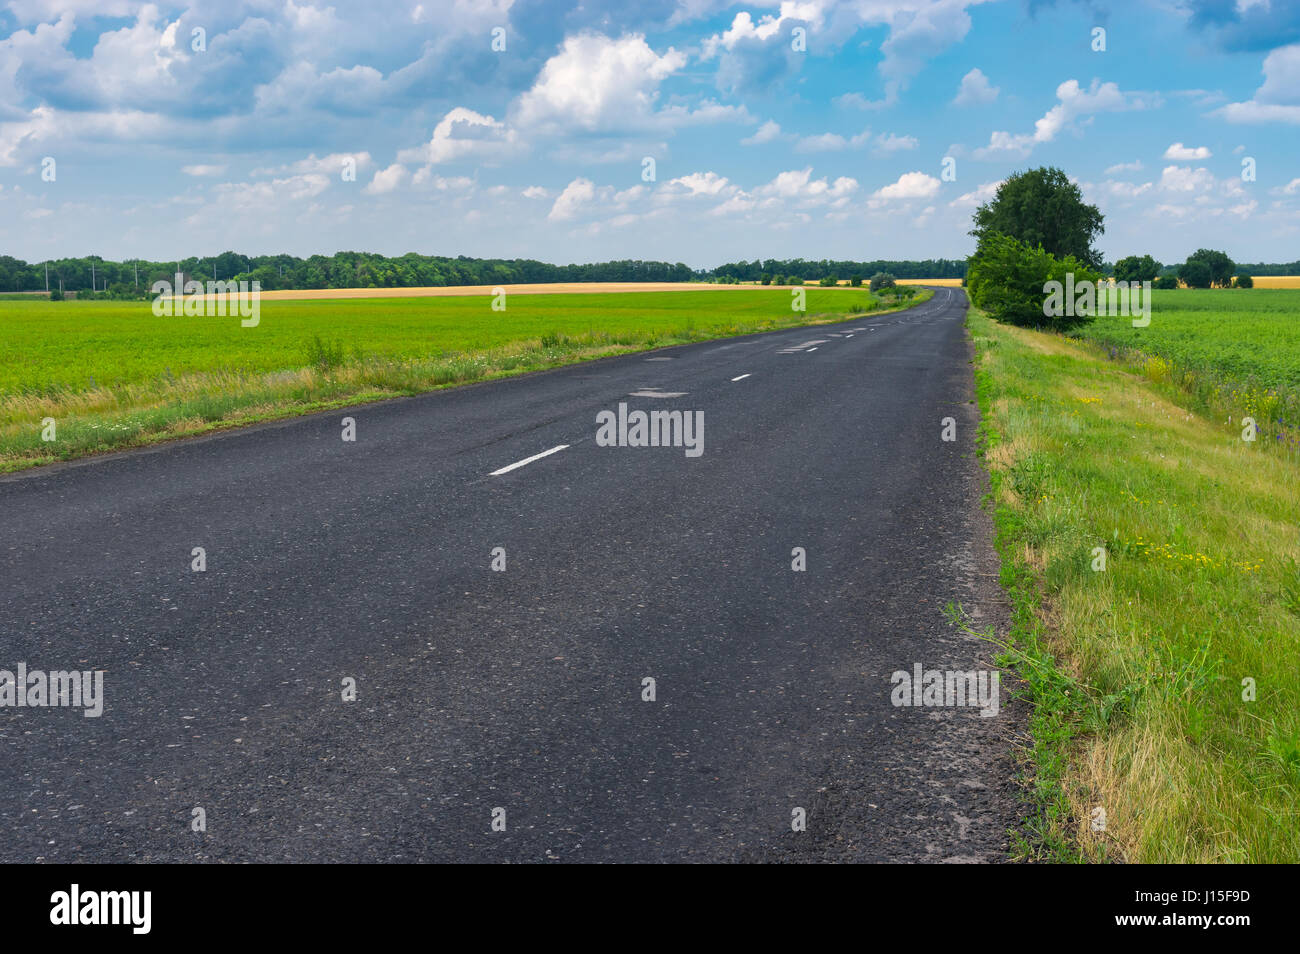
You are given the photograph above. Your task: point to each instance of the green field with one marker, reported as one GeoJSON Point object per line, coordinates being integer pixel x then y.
{"type": "Point", "coordinates": [111, 374]}
{"type": "Point", "coordinates": [1234, 351]}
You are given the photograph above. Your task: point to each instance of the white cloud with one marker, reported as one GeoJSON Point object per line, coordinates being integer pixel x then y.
{"type": "Point", "coordinates": [203, 170]}
{"type": "Point", "coordinates": [982, 193]}
{"type": "Point", "coordinates": [576, 194]}
{"type": "Point", "coordinates": [975, 90]}
{"type": "Point", "coordinates": [910, 185]}
{"type": "Point", "coordinates": [1180, 153]}
{"type": "Point", "coordinates": [1121, 167]}
{"type": "Point", "coordinates": [386, 180]}
{"type": "Point", "coordinates": [1185, 179]}
{"type": "Point", "coordinates": [768, 132]}
{"type": "Point", "coordinates": [701, 183]}
{"type": "Point", "coordinates": [888, 142]}
{"type": "Point", "coordinates": [598, 83]}
{"type": "Point", "coordinates": [464, 134]}
{"type": "Point", "coordinates": [536, 192]}
{"type": "Point", "coordinates": [1075, 103]}
{"type": "Point", "coordinates": [799, 184]}
{"type": "Point", "coordinates": [1278, 99]}
{"type": "Point", "coordinates": [826, 142]}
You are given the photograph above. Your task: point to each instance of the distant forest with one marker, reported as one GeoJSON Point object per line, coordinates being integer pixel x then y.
{"type": "Point", "coordinates": [363, 270]}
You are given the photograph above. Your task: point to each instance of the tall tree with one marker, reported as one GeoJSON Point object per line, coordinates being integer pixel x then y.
{"type": "Point", "coordinates": [1043, 207]}
{"type": "Point", "coordinates": [1221, 267]}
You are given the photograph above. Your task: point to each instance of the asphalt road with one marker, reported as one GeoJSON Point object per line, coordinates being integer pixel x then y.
{"type": "Point", "coordinates": [522, 690]}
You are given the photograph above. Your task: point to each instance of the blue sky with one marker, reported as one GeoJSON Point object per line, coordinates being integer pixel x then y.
{"type": "Point", "coordinates": [813, 129]}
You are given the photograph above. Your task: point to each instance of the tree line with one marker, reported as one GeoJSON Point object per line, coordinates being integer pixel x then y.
{"type": "Point", "coordinates": [134, 278]}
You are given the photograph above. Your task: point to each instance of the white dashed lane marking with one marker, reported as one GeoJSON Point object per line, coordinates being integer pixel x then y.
{"type": "Point", "coordinates": [528, 460]}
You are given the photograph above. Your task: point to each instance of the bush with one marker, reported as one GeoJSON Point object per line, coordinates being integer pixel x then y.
{"type": "Point", "coordinates": [765, 279]}
{"type": "Point", "coordinates": [882, 280]}
{"type": "Point", "coordinates": [828, 281]}
{"type": "Point", "coordinates": [1245, 281]}
{"type": "Point", "coordinates": [856, 281]}
{"type": "Point", "coordinates": [1166, 282]}
{"type": "Point", "coordinates": [778, 279]}
{"type": "Point", "coordinates": [56, 295]}
{"type": "Point", "coordinates": [1010, 281]}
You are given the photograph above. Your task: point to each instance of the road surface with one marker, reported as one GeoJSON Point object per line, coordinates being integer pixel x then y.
{"type": "Point", "coordinates": [524, 689]}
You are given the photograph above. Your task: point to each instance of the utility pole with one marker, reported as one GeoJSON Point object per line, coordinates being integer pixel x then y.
{"type": "Point", "coordinates": [92, 276]}
{"type": "Point", "coordinates": [137, 273]}
{"type": "Point", "coordinates": [47, 278]}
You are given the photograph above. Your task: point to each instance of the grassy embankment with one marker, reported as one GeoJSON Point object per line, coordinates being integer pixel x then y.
{"type": "Point", "coordinates": [1142, 672]}
{"type": "Point", "coordinates": [112, 375]}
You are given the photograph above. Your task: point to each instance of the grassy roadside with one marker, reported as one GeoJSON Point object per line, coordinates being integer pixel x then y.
{"type": "Point", "coordinates": [1166, 709]}
{"type": "Point", "coordinates": [164, 407]}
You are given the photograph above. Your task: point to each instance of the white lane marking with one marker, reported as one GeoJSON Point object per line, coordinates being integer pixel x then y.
{"type": "Point", "coordinates": [811, 350]}
{"type": "Point", "coordinates": [848, 336]}
{"type": "Point", "coordinates": [655, 392]}
{"type": "Point", "coordinates": [528, 460]}
{"type": "Point", "coordinates": [659, 359]}
{"type": "Point", "coordinates": [742, 377]}
{"type": "Point", "coordinates": [795, 349]}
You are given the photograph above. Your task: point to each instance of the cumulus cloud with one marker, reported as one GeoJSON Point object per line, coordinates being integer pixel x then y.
{"type": "Point", "coordinates": [386, 180]}
{"type": "Point", "coordinates": [799, 184]}
{"type": "Point", "coordinates": [1278, 99]}
{"type": "Point", "coordinates": [981, 194]}
{"type": "Point", "coordinates": [701, 183]}
{"type": "Point", "coordinates": [576, 194]}
{"type": "Point", "coordinates": [464, 134]}
{"type": "Point", "coordinates": [770, 131]}
{"type": "Point", "coordinates": [599, 83]}
{"type": "Point", "coordinates": [975, 90]}
{"type": "Point", "coordinates": [1185, 179]}
{"type": "Point", "coordinates": [1076, 103]}
{"type": "Point", "coordinates": [910, 185]}
{"type": "Point", "coordinates": [1180, 153]}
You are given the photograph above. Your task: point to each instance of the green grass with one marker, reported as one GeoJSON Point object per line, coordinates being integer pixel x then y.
{"type": "Point", "coordinates": [1233, 352]}
{"type": "Point", "coordinates": [113, 375]}
{"type": "Point", "coordinates": [1136, 671]}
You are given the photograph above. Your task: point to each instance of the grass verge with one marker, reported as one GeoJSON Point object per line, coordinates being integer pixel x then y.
{"type": "Point", "coordinates": [1150, 558]}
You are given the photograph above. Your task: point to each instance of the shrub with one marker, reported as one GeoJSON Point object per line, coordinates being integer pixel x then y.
{"type": "Point", "coordinates": [765, 279]}
{"type": "Point", "coordinates": [828, 280]}
{"type": "Point", "coordinates": [1166, 282]}
{"type": "Point", "coordinates": [882, 280]}
{"type": "Point", "coordinates": [1010, 281]}
{"type": "Point", "coordinates": [1245, 281]}
{"type": "Point", "coordinates": [856, 281]}
{"type": "Point", "coordinates": [778, 279]}
{"type": "Point", "coordinates": [56, 295]}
